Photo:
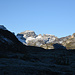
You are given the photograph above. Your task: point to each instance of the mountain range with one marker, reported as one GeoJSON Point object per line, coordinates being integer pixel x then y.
{"type": "Point", "coordinates": [19, 58]}
{"type": "Point", "coordinates": [46, 40]}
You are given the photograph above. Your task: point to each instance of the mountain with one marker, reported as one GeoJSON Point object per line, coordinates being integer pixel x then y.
{"type": "Point", "coordinates": [19, 59]}
{"type": "Point", "coordinates": [24, 35]}
{"type": "Point", "coordinates": [30, 38]}
{"type": "Point", "coordinates": [9, 42]}
{"type": "Point", "coordinates": [2, 27]}
{"type": "Point", "coordinates": [70, 43]}
{"type": "Point", "coordinates": [45, 41]}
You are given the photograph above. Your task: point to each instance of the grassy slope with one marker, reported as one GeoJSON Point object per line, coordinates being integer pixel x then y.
{"type": "Point", "coordinates": [39, 62]}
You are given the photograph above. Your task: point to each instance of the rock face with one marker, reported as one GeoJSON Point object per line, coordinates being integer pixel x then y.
{"type": "Point", "coordinates": [28, 33]}
{"type": "Point", "coordinates": [68, 42]}
{"type": "Point", "coordinates": [25, 36]}
{"type": "Point", "coordinates": [60, 40]}
{"type": "Point", "coordinates": [35, 40]}
{"type": "Point", "coordinates": [46, 40]}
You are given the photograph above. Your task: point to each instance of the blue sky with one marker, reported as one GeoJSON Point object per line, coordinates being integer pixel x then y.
{"type": "Point", "coordinates": [56, 17]}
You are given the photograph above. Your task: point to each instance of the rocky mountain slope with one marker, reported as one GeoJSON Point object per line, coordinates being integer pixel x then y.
{"type": "Point", "coordinates": [9, 42]}
{"type": "Point", "coordinates": [30, 38]}
{"type": "Point", "coordinates": [46, 40]}
{"type": "Point", "coordinates": [68, 42]}
{"type": "Point", "coordinates": [18, 59]}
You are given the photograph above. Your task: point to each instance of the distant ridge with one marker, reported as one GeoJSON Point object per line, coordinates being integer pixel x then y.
{"type": "Point", "coordinates": [45, 41]}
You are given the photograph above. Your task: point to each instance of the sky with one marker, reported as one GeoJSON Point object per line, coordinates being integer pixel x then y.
{"type": "Point", "coordinates": [56, 17]}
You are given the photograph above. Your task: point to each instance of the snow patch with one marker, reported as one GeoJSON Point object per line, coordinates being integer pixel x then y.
{"type": "Point", "coordinates": [20, 39]}
{"type": "Point", "coordinates": [30, 38]}
{"type": "Point", "coordinates": [27, 31]}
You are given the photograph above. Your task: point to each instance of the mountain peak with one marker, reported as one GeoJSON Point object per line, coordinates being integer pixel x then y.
{"type": "Point", "coordinates": [27, 31]}
{"type": "Point", "coordinates": [2, 27]}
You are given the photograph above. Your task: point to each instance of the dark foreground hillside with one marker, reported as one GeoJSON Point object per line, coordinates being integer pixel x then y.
{"type": "Point", "coordinates": [18, 59]}
{"type": "Point", "coordinates": [9, 42]}
{"type": "Point", "coordinates": [44, 62]}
